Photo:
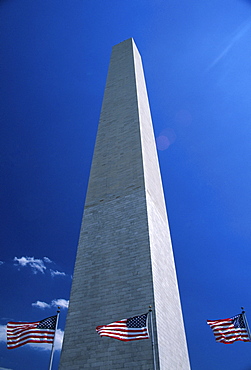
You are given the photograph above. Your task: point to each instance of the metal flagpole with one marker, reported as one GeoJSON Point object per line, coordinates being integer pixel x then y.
{"type": "Point", "coordinates": [246, 322]}
{"type": "Point", "coordinates": [52, 348]}
{"type": "Point", "coordinates": [152, 337]}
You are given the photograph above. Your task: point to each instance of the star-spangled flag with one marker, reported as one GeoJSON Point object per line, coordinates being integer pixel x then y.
{"type": "Point", "coordinates": [230, 330]}
{"type": "Point", "coordinates": [133, 328]}
{"type": "Point", "coordinates": [20, 333]}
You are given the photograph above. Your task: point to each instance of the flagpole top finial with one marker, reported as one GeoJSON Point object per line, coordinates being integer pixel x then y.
{"type": "Point", "coordinates": [58, 311]}
{"type": "Point", "coordinates": [150, 308]}
{"type": "Point", "coordinates": [242, 309]}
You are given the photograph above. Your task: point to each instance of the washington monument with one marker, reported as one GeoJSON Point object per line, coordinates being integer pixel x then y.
{"type": "Point", "coordinates": [124, 260]}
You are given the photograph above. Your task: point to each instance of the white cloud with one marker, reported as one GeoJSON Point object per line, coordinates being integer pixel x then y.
{"type": "Point", "coordinates": [36, 265]}
{"type": "Point", "coordinates": [41, 305]}
{"type": "Point", "coordinates": [47, 260]}
{"type": "Point", "coordinates": [1, 263]}
{"type": "Point", "coordinates": [3, 333]}
{"type": "Point", "coordinates": [4, 368]}
{"type": "Point", "coordinates": [63, 303]}
{"type": "Point", "coordinates": [57, 273]}
{"type": "Point", "coordinates": [59, 340]}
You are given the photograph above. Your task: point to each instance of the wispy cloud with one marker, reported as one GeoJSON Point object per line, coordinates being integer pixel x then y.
{"type": "Point", "coordinates": [46, 259]}
{"type": "Point", "coordinates": [63, 303]}
{"type": "Point", "coordinates": [57, 273]}
{"type": "Point", "coordinates": [37, 265]}
{"type": "Point", "coordinates": [1, 263]}
{"type": "Point", "coordinates": [41, 346]}
{"type": "Point", "coordinates": [41, 305]}
{"type": "Point", "coordinates": [237, 35]}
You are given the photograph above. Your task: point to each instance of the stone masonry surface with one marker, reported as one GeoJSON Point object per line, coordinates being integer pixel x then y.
{"type": "Point", "coordinates": [124, 261]}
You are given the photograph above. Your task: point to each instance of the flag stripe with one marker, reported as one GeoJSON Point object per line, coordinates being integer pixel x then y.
{"type": "Point", "coordinates": [20, 333]}
{"type": "Point", "coordinates": [126, 330]}
{"type": "Point", "coordinates": [10, 346]}
{"type": "Point", "coordinates": [123, 333]}
{"type": "Point", "coordinates": [124, 339]}
{"type": "Point", "coordinates": [229, 330]}
{"type": "Point", "coordinates": [24, 337]}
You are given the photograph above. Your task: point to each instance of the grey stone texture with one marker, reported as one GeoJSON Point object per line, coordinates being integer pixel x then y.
{"type": "Point", "coordinates": [124, 261]}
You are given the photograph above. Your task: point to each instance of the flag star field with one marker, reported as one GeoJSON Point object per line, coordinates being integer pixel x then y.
{"type": "Point", "coordinates": [137, 321]}
{"type": "Point", "coordinates": [49, 323]}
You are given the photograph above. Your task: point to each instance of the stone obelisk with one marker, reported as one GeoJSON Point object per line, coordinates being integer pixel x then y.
{"type": "Point", "coordinates": [124, 260]}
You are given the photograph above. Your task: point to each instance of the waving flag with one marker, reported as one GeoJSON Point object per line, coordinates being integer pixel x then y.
{"type": "Point", "coordinates": [20, 333]}
{"type": "Point", "coordinates": [230, 330]}
{"type": "Point", "coordinates": [133, 328]}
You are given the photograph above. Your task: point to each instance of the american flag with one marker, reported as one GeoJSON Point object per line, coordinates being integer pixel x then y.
{"type": "Point", "coordinates": [20, 333]}
{"type": "Point", "coordinates": [230, 330]}
{"type": "Point", "coordinates": [127, 329]}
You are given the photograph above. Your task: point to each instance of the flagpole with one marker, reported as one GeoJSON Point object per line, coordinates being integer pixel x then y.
{"type": "Point", "coordinates": [152, 338]}
{"type": "Point", "coordinates": [52, 348]}
{"type": "Point", "coordinates": [246, 322]}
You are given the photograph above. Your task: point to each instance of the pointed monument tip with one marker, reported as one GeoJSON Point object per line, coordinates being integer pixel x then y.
{"type": "Point", "coordinates": [127, 43]}
{"type": "Point", "coordinates": [130, 39]}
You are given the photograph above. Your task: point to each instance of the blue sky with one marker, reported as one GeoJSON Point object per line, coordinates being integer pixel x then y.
{"type": "Point", "coordinates": [197, 62]}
